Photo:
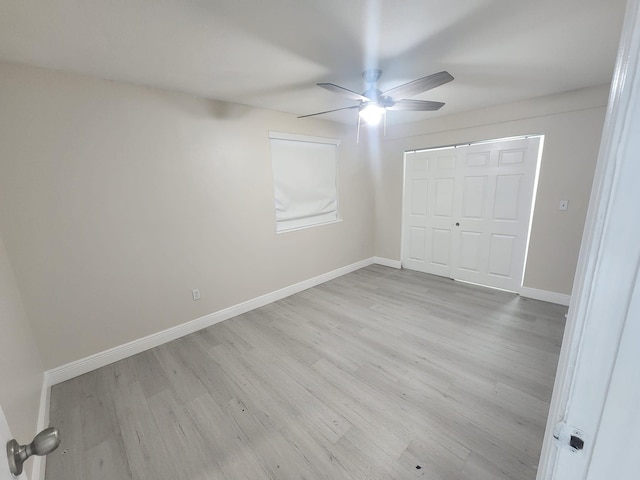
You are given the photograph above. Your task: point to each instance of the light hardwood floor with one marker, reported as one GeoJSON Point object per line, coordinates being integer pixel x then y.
{"type": "Point", "coordinates": [379, 374]}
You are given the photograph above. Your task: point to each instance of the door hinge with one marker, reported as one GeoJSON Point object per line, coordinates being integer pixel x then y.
{"type": "Point", "coordinates": [568, 437]}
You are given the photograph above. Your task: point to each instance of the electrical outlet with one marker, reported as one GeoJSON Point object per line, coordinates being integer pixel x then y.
{"type": "Point", "coordinates": [195, 294]}
{"type": "Point", "coordinates": [564, 205]}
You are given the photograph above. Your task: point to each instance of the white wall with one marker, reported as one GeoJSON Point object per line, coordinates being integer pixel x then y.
{"type": "Point", "coordinates": [21, 370]}
{"type": "Point", "coordinates": [572, 124]}
{"type": "Point", "coordinates": [117, 200]}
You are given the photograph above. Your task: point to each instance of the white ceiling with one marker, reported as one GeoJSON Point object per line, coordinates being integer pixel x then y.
{"type": "Point", "coordinates": [271, 53]}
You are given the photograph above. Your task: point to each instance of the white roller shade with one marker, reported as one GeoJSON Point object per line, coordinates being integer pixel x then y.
{"type": "Point", "coordinates": [304, 181]}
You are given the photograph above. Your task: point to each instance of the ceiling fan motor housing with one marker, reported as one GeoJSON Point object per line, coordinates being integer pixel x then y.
{"type": "Point", "coordinates": [375, 95]}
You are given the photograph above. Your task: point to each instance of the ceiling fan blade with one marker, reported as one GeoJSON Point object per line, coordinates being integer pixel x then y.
{"type": "Point", "coordinates": [345, 92]}
{"type": "Point", "coordinates": [416, 105]}
{"type": "Point", "coordinates": [418, 86]}
{"type": "Point", "coordinates": [329, 111]}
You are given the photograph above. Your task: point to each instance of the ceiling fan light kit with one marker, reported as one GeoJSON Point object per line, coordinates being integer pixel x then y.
{"type": "Point", "coordinates": [373, 103]}
{"type": "Point", "coordinates": [371, 113]}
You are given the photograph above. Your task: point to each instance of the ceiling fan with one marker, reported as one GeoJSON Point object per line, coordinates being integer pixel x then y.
{"type": "Point", "coordinates": [374, 103]}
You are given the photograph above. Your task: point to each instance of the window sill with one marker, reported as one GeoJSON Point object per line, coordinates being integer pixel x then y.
{"type": "Point", "coordinates": [288, 230]}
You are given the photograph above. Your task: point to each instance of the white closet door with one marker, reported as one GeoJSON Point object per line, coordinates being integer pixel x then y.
{"type": "Point", "coordinates": [467, 211]}
{"type": "Point", "coordinates": [493, 209]}
{"type": "Point", "coordinates": [429, 211]}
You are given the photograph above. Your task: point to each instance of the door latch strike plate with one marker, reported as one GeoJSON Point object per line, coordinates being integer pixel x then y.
{"type": "Point", "coordinates": [568, 437]}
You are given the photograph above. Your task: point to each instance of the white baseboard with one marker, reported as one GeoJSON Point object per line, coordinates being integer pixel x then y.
{"type": "Point", "coordinates": [87, 364]}
{"type": "Point", "coordinates": [387, 262]}
{"type": "Point", "coordinates": [545, 296]}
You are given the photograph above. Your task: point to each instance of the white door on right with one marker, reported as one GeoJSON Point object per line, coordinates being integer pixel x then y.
{"type": "Point", "coordinates": [494, 193]}
{"type": "Point", "coordinates": [478, 231]}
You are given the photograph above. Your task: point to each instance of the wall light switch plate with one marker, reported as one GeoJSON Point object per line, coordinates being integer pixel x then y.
{"type": "Point", "coordinates": [195, 294]}
{"type": "Point", "coordinates": [564, 205]}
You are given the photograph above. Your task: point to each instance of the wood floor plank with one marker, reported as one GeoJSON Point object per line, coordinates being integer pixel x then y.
{"type": "Point", "coordinates": [224, 441]}
{"type": "Point", "coordinates": [104, 461]}
{"type": "Point", "coordinates": [145, 441]}
{"type": "Point", "coordinates": [316, 449]}
{"type": "Point", "coordinates": [189, 451]}
{"type": "Point", "coordinates": [378, 374]}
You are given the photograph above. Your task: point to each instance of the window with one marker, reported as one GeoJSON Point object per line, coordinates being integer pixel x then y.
{"type": "Point", "coordinates": [304, 180]}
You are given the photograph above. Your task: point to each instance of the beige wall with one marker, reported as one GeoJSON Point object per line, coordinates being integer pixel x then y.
{"type": "Point", "coordinates": [21, 372]}
{"type": "Point", "coordinates": [572, 124]}
{"type": "Point", "coordinates": [117, 200]}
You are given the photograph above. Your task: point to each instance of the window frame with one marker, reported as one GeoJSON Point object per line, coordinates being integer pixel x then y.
{"type": "Point", "coordinates": [292, 137]}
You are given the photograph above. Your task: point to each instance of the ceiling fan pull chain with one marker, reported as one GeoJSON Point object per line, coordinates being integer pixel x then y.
{"type": "Point", "coordinates": [384, 129]}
